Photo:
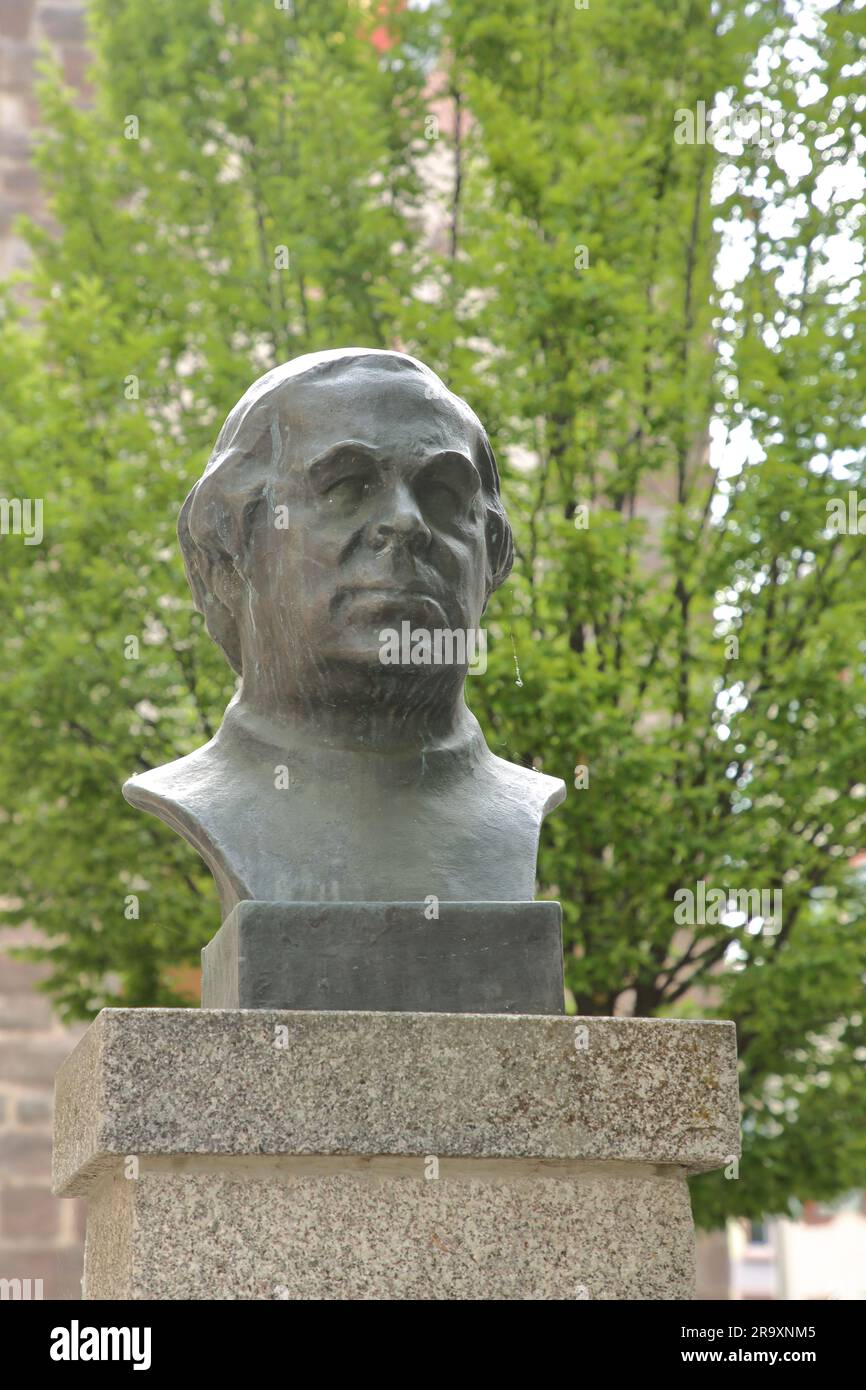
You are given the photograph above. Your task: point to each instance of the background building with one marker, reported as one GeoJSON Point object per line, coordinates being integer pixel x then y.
{"type": "Point", "coordinates": [40, 1237]}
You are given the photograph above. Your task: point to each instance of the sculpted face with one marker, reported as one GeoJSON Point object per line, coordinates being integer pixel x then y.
{"type": "Point", "coordinates": [385, 524]}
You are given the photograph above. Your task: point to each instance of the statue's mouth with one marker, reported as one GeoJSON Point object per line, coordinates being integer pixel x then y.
{"type": "Point", "coordinates": [393, 601]}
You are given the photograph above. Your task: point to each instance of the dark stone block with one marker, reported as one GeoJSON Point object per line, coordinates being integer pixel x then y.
{"type": "Point", "coordinates": [477, 957]}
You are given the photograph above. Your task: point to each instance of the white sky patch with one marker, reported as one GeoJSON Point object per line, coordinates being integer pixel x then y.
{"type": "Point", "coordinates": [839, 183]}
{"type": "Point", "coordinates": [725, 183]}
{"type": "Point", "coordinates": [736, 253]}
{"type": "Point", "coordinates": [801, 55]}
{"type": "Point", "coordinates": [843, 259]}
{"type": "Point", "coordinates": [731, 450]}
{"type": "Point", "coordinates": [781, 220]}
{"type": "Point", "coordinates": [845, 464]}
{"type": "Point", "coordinates": [789, 281]}
{"type": "Point", "coordinates": [793, 159]}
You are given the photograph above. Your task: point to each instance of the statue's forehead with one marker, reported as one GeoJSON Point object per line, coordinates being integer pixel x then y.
{"type": "Point", "coordinates": [384, 410]}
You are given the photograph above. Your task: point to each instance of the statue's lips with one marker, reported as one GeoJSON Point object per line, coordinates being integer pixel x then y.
{"type": "Point", "coordinates": [397, 601]}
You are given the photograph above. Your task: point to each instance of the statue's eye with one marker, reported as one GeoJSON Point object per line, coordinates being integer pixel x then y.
{"type": "Point", "coordinates": [350, 488]}
{"type": "Point", "coordinates": [442, 495]}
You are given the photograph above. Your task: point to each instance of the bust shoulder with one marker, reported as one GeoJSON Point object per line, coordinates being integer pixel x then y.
{"type": "Point", "coordinates": [189, 795]}
{"type": "Point", "coordinates": [220, 798]}
{"type": "Point", "coordinates": [537, 791]}
{"type": "Point", "coordinates": [185, 782]}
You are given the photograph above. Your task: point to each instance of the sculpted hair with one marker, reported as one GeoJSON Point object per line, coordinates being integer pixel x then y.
{"type": "Point", "coordinates": [215, 521]}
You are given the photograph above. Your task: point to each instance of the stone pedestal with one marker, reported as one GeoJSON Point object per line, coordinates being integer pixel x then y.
{"type": "Point", "coordinates": [487, 958]}
{"type": "Point", "coordinates": [262, 1154]}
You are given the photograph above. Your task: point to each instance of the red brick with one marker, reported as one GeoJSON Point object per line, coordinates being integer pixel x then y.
{"type": "Point", "coordinates": [23, 1010]}
{"type": "Point", "coordinates": [62, 24]}
{"type": "Point", "coordinates": [25, 1155]}
{"type": "Point", "coordinates": [76, 59]}
{"type": "Point", "coordinates": [17, 65]}
{"type": "Point", "coordinates": [29, 1213]}
{"type": "Point", "coordinates": [35, 1110]}
{"type": "Point", "coordinates": [18, 975]}
{"type": "Point", "coordinates": [31, 1061]}
{"type": "Point", "coordinates": [21, 179]}
{"type": "Point", "coordinates": [16, 16]}
{"type": "Point", "coordinates": [8, 213]}
{"type": "Point", "coordinates": [18, 145]}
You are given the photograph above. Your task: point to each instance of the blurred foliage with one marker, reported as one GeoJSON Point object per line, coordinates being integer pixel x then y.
{"type": "Point", "coordinates": [685, 627]}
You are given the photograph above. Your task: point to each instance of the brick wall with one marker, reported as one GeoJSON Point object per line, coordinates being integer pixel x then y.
{"type": "Point", "coordinates": [26, 27]}
{"type": "Point", "coordinates": [41, 1237]}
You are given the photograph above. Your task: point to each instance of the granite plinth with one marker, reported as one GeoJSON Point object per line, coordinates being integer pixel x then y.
{"type": "Point", "coordinates": [256, 1154]}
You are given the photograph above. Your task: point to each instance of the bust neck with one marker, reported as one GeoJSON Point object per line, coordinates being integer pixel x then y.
{"type": "Point", "coordinates": [372, 737]}
{"type": "Point", "coordinates": [355, 709]}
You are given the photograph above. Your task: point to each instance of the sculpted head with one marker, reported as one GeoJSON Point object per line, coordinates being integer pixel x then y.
{"type": "Point", "coordinates": [348, 491]}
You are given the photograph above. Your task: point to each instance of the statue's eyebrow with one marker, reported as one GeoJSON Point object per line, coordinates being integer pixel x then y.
{"type": "Point", "coordinates": [327, 465]}
{"type": "Point", "coordinates": [464, 464]}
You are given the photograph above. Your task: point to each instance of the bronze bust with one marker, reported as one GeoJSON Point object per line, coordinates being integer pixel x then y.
{"type": "Point", "coordinates": [349, 494]}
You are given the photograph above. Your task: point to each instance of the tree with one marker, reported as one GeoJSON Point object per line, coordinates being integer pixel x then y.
{"type": "Point", "coordinates": [681, 639]}
{"type": "Point", "coordinates": [689, 636]}
{"type": "Point", "coordinates": [242, 190]}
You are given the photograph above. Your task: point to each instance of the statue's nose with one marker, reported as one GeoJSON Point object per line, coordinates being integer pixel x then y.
{"type": "Point", "coordinates": [400, 523]}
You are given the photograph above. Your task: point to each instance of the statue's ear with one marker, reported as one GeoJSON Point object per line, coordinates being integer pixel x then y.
{"type": "Point", "coordinates": [213, 583]}
{"type": "Point", "coordinates": [500, 548]}
{"type": "Point", "coordinates": [497, 530]}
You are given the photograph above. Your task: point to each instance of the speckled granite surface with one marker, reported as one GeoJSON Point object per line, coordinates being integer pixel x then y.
{"type": "Point", "coordinates": [291, 1154]}
{"type": "Point", "coordinates": [594, 1235]}
{"type": "Point", "coordinates": [175, 1081]}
